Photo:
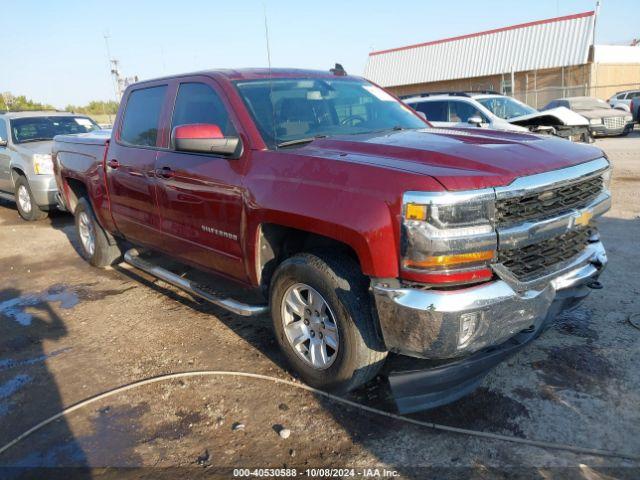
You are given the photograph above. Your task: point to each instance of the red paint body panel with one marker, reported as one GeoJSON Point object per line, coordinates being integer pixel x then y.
{"type": "Point", "coordinates": [210, 211]}
{"type": "Point", "coordinates": [198, 130]}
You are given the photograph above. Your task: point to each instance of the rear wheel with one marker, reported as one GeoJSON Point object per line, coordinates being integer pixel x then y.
{"type": "Point", "coordinates": [27, 207]}
{"type": "Point", "coordinates": [94, 242]}
{"type": "Point", "coordinates": [322, 318]}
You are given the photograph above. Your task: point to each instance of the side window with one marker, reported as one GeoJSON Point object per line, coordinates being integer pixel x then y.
{"type": "Point", "coordinates": [434, 111]}
{"type": "Point", "coordinates": [463, 111]}
{"type": "Point", "coordinates": [3, 130]}
{"type": "Point", "coordinates": [142, 115]}
{"type": "Point", "coordinates": [199, 103]}
{"type": "Point", "coordinates": [622, 96]}
{"type": "Point", "coordinates": [633, 95]}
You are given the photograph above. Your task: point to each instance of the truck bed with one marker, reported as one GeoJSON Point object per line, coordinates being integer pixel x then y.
{"type": "Point", "coordinates": [80, 157]}
{"type": "Point", "coordinates": [80, 152]}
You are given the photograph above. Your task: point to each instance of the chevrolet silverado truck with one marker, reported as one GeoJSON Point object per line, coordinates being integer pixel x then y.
{"type": "Point", "coordinates": [361, 229]}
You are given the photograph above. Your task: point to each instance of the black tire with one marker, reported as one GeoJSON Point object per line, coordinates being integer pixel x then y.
{"type": "Point", "coordinates": [34, 212]}
{"type": "Point", "coordinates": [338, 279]}
{"type": "Point", "coordinates": [587, 138]}
{"type": "Point", "coordinates": [104, 253]}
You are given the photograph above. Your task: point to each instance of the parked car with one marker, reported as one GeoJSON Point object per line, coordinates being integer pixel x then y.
{"type": "Point", "coordinates": [603, 120]}
{"type": "Point", "coordinates": [498, 112]}
{"type": "Point", "coordinates": [622, 100]}
{"type": "Point", "coordinates": [26, 170]}
{"type": "Point", "coordinates": [363, 230]}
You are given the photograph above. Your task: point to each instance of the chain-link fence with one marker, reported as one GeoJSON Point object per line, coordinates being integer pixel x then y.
{"type": "Point", "coordinates": [541, 97]}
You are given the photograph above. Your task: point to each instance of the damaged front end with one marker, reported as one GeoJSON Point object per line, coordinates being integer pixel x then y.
{"type": "Point", "coordinates": [559, 121]}
{"type": "Point", "coordinates": [548, 256]}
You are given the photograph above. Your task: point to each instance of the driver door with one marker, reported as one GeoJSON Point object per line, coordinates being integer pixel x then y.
{"type": "Point", "coordinates": [460, 112]}
{"type": "Point", "coordinates": [199, 194]}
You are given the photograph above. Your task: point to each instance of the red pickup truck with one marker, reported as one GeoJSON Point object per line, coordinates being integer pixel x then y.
{"type": "Point", "coordinates": [363, 229]}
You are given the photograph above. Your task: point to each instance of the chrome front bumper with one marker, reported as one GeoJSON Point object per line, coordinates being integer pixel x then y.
{"type": "Point", "coordinates": [427, 323]}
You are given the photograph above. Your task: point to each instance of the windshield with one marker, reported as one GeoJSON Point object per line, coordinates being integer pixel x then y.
{"type": "Point", "coordinates": [35, 129]}
{"type": "Point", "coordinates": [506, 107]}
{"type": "Point", "coordinates": [293, 111]}
{"type": "Point", "coordinates": [589, 104]}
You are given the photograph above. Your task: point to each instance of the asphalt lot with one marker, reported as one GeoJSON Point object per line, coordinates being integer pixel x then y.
{"type": "Point", "coordinates": [69, 331]}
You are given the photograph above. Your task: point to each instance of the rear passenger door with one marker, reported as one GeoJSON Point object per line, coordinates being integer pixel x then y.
{"type": "Point", "coordinates": [130, 165]}
{"type": "Point", "coordinates": [200, 195]}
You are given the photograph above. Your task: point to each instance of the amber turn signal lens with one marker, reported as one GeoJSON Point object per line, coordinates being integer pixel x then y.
{"type": "Point", "coordinates": [449, 260]}
{"type": "Point", "coordinates": [416, 212]}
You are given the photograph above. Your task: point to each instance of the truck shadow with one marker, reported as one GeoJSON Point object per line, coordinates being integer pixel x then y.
{"type": "Point", "coordinates": [28, 390]}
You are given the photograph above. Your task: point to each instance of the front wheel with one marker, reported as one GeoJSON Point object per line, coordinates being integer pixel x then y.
{"type": "Point", "coordinates": [27, 207]}
{"type": "Point", "coordinates": [320, 306]}
{"type": "Point", "coordinates": [94, 243]}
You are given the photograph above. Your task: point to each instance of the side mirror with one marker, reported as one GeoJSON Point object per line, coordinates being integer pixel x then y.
{"type": "Point", "coordinates": [475, 120]}
{"type": "Point", "coordinates": [3, 142]}
{"type": "Point", "coordinates": [204, 138]}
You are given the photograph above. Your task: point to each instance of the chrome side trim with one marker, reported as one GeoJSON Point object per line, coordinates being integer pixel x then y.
{"type": "Point", "coordinates": [543, 181]}
{"type": "Point", "coordinates": [529, 232]}
{"type": "Point", "coordinates": [132, 257]}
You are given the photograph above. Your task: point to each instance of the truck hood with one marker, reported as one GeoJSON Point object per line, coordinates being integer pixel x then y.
{"type": "Point", "coordinates": [30, 148]}
{"type": "Point", "coordinates": [602, 113]}
{"type": "Point", "coordinates": [551, 117]}
{"type": "Point", "coordinates": [460, 159]}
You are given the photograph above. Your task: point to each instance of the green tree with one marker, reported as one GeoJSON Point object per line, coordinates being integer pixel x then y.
{"type": "Point", "coordinates": [8, 101]}
{"type": "Point", "coordinates": [96, 107]}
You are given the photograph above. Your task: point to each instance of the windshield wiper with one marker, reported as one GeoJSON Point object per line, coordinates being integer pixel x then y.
{"type": "Point", "coordinates": [299, 141]}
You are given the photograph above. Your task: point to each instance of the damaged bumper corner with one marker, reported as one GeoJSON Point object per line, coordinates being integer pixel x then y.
{"type": "Point", "coordinates": [507, 315]}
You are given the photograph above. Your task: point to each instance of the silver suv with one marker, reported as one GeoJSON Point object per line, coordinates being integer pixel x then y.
{"type": "Point", "coordinates": [26, 168]}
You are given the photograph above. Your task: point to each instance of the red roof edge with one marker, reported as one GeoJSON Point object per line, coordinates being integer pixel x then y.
{"type": "Point", "coordinates": [487, 32]}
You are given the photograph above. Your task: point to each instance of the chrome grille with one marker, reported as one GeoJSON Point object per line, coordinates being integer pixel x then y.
{"type": "Point", "coordinates": [547, 203]}
{"type": "Point", "coordinates": [538, 259]}
{"type": "Point", "coordinates": [613, 122]}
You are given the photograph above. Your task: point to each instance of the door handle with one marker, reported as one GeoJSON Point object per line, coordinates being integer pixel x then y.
{"type": "Point", "coordinates": [113, 163]}
{"type": "Point", "coordinates": [165, 172]}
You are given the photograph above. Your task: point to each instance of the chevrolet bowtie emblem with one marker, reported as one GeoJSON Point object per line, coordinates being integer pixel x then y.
{"type": "Point", "coordinates": [583, 219]}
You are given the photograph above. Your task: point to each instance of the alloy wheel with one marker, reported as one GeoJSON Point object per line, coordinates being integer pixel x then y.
{"type": "Point", "coordinates": [310, 326]}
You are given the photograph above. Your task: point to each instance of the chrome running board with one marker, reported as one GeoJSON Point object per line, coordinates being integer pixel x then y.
{"type": "Point", "coordinates": [132, 257]}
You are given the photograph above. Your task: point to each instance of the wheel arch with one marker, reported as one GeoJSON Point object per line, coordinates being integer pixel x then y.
{"type": "Point", "coordinates": [277, 242]}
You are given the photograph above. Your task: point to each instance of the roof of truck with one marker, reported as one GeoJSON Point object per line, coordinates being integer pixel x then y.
{"type": "Point", "coordinates": [254, 74]}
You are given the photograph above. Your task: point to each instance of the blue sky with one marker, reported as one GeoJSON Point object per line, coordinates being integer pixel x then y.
{"type": "Point", "coordinates": [54, 52]}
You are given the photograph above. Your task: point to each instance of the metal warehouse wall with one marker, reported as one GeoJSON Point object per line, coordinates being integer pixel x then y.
{"type": "Point", "coordinates": [608, 79]}
{"type": "Point", "coordinates": [544, 44]}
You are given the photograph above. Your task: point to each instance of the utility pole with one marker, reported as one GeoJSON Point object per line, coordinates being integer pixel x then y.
{"type": "Point", "coordinates": [120, 83]}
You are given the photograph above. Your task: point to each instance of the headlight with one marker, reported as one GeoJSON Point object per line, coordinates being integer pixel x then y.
{"type": "Point", "coordinates": [595, 121]}
{"type": "Point", "coordinates": [448, 237]}
{"type": "Point", "coordinates": [42, 164]}
{"type": "Point", "coordinates": [628, 118]}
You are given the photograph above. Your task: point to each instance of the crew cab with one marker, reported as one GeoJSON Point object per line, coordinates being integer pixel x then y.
{"type": "Point", "coordinates": [362, 229]}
